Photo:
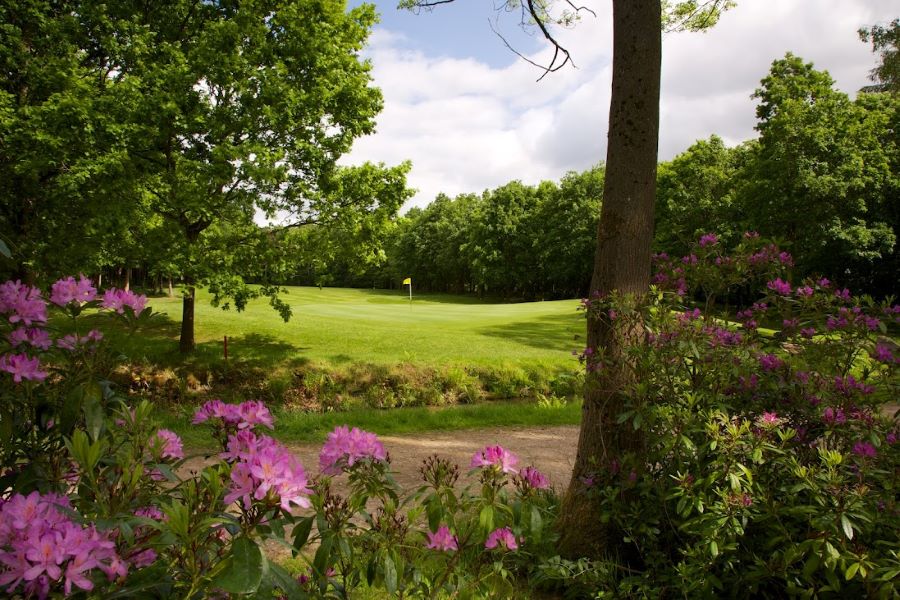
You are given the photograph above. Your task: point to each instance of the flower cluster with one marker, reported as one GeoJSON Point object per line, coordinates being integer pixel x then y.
{"type": "Point", "coordinates": [501, 538]}
{"type": "Point", "coordinates": [534, 479]}
{"type": "Point", "coordinates": [68, 291]}
{"type": "Point", "coordinates": [119, 300]}
{"type": "Point", "coordinates": [442, 540]}
{"type": "Point", "coordinates": [23, 303]}
{"type": "Point", "coordinates": [345, 447]}
{"type": "Point", "coordinates": [245, 415]}
{"type": "Point", "coordinates": [40, 547]}
{"type": "Point", "coordinates": [266, 471]}
{"type": "Point", "coordinates": [167, 444]}
{"type": "Point", "coordinates": [495, 457]}
{"type": "Point", "coordinates": [73, 341]}
{"type": "Point", "coordinates": [31, 336]}
{"type": "Point", "coordinates": [21, 366]}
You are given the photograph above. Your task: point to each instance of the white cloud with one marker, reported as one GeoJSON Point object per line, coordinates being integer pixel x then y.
{"type": "Point", "coordinates": [467, 126]}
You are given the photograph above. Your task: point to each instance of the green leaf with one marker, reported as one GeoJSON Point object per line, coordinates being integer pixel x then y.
{"type": "Point", "coordinates": [301, 532]}
{"type": "Point", "coordinates": [713, 548]}
{"type": "Point", "coordinates": [536, 523]}
{"type": "Point", "coordinates": [847, 527]}
{"type": "Point", "coordinates": [486, 518]}
{"type": "Point", "coordinates": [322, 560]}
{"type": "Point", "coordinates": [4, 249]}
{"type": "Point", "coordinates": [244, 570]}
{"type": "Point", "coordinates": [850, 573]}
{"type": "Point", "coordinates": [390, 575]}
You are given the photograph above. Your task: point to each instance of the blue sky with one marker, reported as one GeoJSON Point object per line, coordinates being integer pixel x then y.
{"type": "Point", "coordinates": [470, 115]}
{"type": "Point", "coordinates": [461, 29]}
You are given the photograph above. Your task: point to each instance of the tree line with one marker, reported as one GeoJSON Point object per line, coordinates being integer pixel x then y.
{"type": "Point", "coordinates": [823, 177]}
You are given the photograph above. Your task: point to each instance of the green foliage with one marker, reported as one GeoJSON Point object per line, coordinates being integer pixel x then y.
{"type": "Point", "coordinates": [886, 41]}
{"type": "Point", "coordinates": [770, 461]}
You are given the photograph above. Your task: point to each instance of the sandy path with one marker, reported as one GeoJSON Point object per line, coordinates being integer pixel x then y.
{"type": "Point", "coordinates": [550, 449]}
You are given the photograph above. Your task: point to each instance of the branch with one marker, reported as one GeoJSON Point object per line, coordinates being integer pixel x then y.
{"type": "Point", "coordinates": [560, 53]}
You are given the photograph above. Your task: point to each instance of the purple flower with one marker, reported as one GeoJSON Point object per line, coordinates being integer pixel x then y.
{"type": "Point", "coordinates": [770, 362]}
{"type": "Point", "coordinates": [808, 332]}
{"type": "Point", "coordinates": [345, 447]}
{"type": "Point", "coordinates": [864, 450]}
{"type": "Point", "coordinates": [72, 341]}
{"type": "Point", "coordinates": [534, 478]}
{"type": "Point", "coordinates": [823, 283]}
{"type": "Point", "coordinates": [495, 457]}
{"type": "Point", "coordinates": [442, 540]}
{"type": "Point", "coordinates": [33, 336]}
{"type": "Point", "coordinates": [779, 287]}
{"type": "Point", "coordinates": [884, 354]}
{"type": "Point", "coordinates": [804, 291]}
{"type": "Point", "coordinates": [831, 416]}
{"type": "Point", "coordinates": [709, 239]}
{"type": "Point", "coordinates": [66, 291]}
{"type": "Point", "coordinates": [502, 538]}
{"type": "Point", "coordinates": [20, 366]}
{"type": "Point", "coordinates": [690, 259]}
{"type": "Point", "coordinates": [770, 419]}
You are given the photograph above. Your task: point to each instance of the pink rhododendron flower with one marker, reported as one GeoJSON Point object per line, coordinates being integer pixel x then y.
{"type": "Point", "coordinates": [709, 239]}
{"type": "Point", "coordinates": [770, 362]}
{"type": "Point", "coordinates": [169, 444]}
{"type": "Point", "coordinates": [73, 341]}
{"type": "Point", "coordinates": [442, 540]}
{"type": "Point", "coordinates": [769, 419]}
{"type": "Point", "coordinates": [779, 287]}
{"type": "Point", "coordinates": [345, 446]}
{"type": "Point", "coordinates": [804, 291]}
{"type": "Point", "coordinates": [503, 538]}
{"type": "Point", "coordinates": [66, 291]}
{"type": "Point", "coordinates": [883, 353]}
{"type": "Point", "coordinates": [118, 300]}
{"type": "Point", "coordinates": [246, 415]}
{"type": "Point", "coordinates": [20, 366]}
{"type": "Point", "coordinates": [42, 549]}
{"type": "Point", "coordinates": [33, 336]}
{"type": "Point", "coordinates": [271, 474]}
{"type": "Point", "coordinates": [534, 478]}
{"type": "Point", "coordinates": [495, 456]}
{"type": "Point", "coordinates": [865, 450]}
{"type": "Point", "coordinates": [23, 302]}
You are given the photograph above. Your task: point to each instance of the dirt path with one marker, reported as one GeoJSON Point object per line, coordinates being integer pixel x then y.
{"type": "Point", "coordinates": [550, 449]}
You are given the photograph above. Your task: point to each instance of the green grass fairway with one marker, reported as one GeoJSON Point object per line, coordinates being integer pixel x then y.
{"type": "Point", "coordinates": [338, 326]}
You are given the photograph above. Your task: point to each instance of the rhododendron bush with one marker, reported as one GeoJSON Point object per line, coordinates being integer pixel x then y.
{"type": "Point", "coordinates": [766, 408]}
{"type": "Point", "coordinates": [95, 499]}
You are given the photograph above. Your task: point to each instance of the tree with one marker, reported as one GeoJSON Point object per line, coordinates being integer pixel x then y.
{"type": "Point", "coordinates": [886, 41]}
{"type": "Point", "coordinates": [695, 193]}
{"type": "Point", "coordinates": [820, 172]}
{"type": "Point", "coordinates": [625, 230]}
{"type": "Point", "coordinates": [240, 109]}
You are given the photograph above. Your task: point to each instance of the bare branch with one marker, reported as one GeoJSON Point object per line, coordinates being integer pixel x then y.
{"type": "Point", "coordinates": [561, 55]}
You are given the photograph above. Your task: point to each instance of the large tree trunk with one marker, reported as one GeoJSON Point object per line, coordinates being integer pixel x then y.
{"type": "Point", "coordinates": [186, 343]}
{"type": "Point", "coordinates": [622, 261]}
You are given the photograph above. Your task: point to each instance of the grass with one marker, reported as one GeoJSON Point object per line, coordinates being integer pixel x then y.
{"type": "Point", "coordinates": [339, 326]}
{"type": "Point", "coordinates": [296, 426]}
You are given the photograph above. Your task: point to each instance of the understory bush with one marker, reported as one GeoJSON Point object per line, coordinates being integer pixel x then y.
{"type": "Point", "coordinates": [768, 458]}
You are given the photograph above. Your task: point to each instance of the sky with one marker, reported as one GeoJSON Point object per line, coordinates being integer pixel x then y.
{"type": "Point", "coordinates": [471, 115]}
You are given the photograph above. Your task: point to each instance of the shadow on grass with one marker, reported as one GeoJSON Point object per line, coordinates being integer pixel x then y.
{"type": "Point", "coordinates": [156, 342]}
{"type": "Point", "coordinates": [553, 332]}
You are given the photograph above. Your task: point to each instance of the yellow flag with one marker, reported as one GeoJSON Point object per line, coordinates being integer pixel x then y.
{"type": "Point", "coordinates": [407, 281]}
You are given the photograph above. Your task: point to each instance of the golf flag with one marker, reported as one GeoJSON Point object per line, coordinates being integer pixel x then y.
{"type": "Point", "coordinates": [407, 281]}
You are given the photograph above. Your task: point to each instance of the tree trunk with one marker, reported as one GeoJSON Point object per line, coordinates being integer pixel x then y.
{"type": "Point", "coordinates": [171, 290]}
{"type": "Point", "coordinates": [622, 260]}
{"type": "Point", "coordinates": [127, 278]}
{"type": "Point", "coordinates": [186, 343]}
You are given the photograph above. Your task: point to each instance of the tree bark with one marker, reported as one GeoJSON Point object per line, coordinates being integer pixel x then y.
{"type": "Point", "coordinates": [186, 342]}
{"type": "Point", "coordinates": [622, 260]}
{"type": "Point", "coordinates": [127, 278]}
{"type": "Point", "coordinates": [171, 290]}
